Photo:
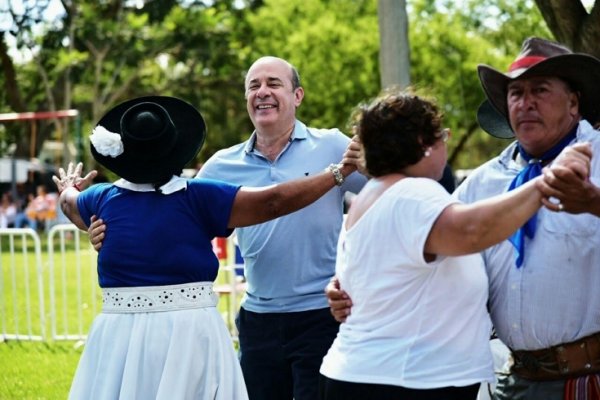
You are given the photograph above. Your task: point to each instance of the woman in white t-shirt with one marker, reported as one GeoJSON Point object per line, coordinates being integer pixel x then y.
{"type": "Point", "coordinates": [407, 257]}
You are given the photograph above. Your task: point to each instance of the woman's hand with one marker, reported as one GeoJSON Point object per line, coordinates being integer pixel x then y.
{"type": "Point", "coordinates": [567, 180]}
{"type": "Point", "coordinates": [339, 301]}
{"type": "Point", "coordinates": [72, 178]}
{"type": "Point", "coordinates": [96, 232]}
{"type": "Point", "coordinates": [354, 156]}
{"type": "Point", "coordinates": [66, 182]}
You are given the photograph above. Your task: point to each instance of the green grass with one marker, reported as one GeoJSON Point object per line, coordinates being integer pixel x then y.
{"type": "Point", "coordinates": [44, 369]}
{"type": "Point", "coordinates": [37, 370]}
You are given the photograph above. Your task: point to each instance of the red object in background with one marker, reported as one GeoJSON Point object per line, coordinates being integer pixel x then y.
{"type": "Point", "coordinates": [220, 248]}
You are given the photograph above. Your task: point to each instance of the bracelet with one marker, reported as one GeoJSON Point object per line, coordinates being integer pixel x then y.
{"type": "Point", "coordinates": [74, 186]}
{"type": "Point", "coordinates": [337, 174]}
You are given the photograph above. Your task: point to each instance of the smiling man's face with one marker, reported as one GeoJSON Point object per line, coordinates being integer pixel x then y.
{"type": "Point", "coordinates": [271, 99]}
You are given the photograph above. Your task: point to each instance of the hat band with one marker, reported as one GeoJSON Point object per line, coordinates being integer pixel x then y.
{"type": "Point", "coordinates": [525, 62]}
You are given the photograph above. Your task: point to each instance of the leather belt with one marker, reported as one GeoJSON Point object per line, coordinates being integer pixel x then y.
{"type": "Point", "coordinates": [567, 360]}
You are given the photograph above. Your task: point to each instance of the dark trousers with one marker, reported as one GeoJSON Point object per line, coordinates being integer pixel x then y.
{"type": "Point", "coordinates": [281, 353]}
{"type": "Point", "coordinates": [331, 389]}
{"type": "Point", "coordinates": [513, 387]}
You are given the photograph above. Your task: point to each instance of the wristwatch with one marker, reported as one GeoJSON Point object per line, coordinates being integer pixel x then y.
{"type": "Point", "coordinates": [337, 174]}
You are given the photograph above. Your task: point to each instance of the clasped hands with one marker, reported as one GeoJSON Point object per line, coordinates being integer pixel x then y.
{"type": "Point", "coordinates": [354, 156]}
{"type": "Point", "coordinates": [565, 184]}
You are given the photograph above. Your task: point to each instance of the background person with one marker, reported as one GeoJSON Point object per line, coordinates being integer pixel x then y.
{"type": "Point", "coordinates": [419, 327]}
{"type": "Point", "coordinates": [41, 209]}
{"type": "Point", "coordinates": [159, 335]}
{"type": "Point", "coordinates": [8, 211]}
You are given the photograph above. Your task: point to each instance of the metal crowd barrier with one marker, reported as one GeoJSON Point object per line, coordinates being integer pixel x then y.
{"type": "Point", "coordinates": [68, 304]}
{"type": "Point", "coordinates": [21, 285]}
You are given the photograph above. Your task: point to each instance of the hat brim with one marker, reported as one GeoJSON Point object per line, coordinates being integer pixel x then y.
{"type": "Point", "coordinates": [191, 132]}
{"type": "Point", "coordinates": [491, 121]}
{"type": "Point", "coordinates": [580, 70]}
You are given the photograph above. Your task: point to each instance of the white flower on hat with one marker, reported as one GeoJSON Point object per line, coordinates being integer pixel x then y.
{"type": "Point", "coordinates": [106, 142]}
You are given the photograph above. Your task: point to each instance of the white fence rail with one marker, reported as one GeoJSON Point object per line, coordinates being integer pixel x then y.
{"type": "Point", "coordinates": [70, 307]}
{"type": "Point", "coordinates": [61, 284]}
{"type": "Point", "coordinates": [21, 285]}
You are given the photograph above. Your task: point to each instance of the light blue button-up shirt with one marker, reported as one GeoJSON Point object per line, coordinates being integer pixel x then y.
{"type": "Point", "coordinates": [288, 261]}
{"type": "Point", "coordinates": [555, 296]}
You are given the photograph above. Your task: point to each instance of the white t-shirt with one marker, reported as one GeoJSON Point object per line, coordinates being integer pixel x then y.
{"type": "Point", "coordinates": [413, 324]}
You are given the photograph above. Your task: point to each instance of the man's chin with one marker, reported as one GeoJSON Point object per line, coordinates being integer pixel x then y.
{"type": "Point", "coordinates": [529, 130]}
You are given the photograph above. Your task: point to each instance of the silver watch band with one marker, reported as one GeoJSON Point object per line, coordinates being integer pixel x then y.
{"type": "Point", "coordinates": [337, 174]}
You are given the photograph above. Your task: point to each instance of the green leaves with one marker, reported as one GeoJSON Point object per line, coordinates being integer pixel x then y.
{"type": "Point", "coordinates": [96, 54]}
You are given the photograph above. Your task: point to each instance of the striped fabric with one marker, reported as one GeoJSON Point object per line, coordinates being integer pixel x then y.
{"type": "Point", "coordinates": [583, 388]}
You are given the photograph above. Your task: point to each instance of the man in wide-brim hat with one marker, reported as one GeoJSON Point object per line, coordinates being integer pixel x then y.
{"type": "Point", "coordinates": [540, 57]}
{"type": "Point", "coordinates": [544, 297]}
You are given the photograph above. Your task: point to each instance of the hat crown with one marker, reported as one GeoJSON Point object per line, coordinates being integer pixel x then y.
{"type": "Point", "coordinates": [542, 47]}
{"type": "Point", "coordinates": [535, 50]}
{"type": "Point", "coordinates": [148, 139]}
{"type": "Point", "coordinates": [146, 123]}
{"type": "Point", "coordinates": [148, 131]}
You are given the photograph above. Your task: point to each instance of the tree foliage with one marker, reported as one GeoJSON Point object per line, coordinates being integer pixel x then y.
{"type": "Point", "coordinates": [94, 54]}
{"type": "Point", "coordinates": [334, 44]}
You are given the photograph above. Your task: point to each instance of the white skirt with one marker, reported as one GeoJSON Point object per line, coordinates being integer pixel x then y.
{"type": "Point", "coordinates": [175, 352]}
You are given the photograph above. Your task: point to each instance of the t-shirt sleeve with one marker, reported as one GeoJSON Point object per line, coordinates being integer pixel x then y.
{"type": "Point", "coordinates": [88, 201]}
{"type": "Point", "coordinates": [213, 202]}
{"type": "Point", "coordinates": [419, 204]}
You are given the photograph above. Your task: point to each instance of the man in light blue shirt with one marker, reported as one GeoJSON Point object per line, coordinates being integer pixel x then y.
{"type": "Point", "coordinates": [285, 327]}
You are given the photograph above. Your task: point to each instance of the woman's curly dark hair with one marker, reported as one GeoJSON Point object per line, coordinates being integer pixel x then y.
{"type": "Point", "coordinates": [395, 129]}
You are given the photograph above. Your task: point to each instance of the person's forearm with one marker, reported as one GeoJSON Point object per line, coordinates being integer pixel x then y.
{"type": "Point", "coordinates": [500, 217]}
{"type": "Point", "coordinates": [294, 195]}
{"type": "Point", "coordinates": [257, 205]}
{"type": "Point", "coordinates": [470, 228]}
{"type": "Point", "coordinates": [68, 205]}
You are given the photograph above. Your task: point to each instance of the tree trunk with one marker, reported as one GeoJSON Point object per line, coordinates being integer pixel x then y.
{"type": "Point", "coordinates": [570, 23]}
{"type": "Point", "coordinates": [394, 55]}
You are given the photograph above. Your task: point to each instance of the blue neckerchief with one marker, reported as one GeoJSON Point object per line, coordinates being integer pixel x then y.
{"type": "Point", "coordinates": [533, 169]}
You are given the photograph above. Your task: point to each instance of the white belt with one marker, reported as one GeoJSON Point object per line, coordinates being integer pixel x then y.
{"type": "Point", "coordinates": [158, 298]}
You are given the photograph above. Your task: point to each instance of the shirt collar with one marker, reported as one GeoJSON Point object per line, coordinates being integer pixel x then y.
{"type": "Point", "coordinates": [176, 184]}
{"type": "Point", "coordinates": [511, 158]}
{"type": "Point", "coordinates": [299, 132]}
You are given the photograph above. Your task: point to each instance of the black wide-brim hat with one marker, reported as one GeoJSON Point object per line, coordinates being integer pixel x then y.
{"type": "Point", "coordinates": [541, 57]}
{"type": "Point", "coordinates": [159, 136]}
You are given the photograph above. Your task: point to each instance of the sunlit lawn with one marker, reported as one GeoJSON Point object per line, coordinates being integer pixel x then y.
{"type": "Point", "coordinates": [36, 370]}
{"type": "Point", "coordinates": [43, 369]}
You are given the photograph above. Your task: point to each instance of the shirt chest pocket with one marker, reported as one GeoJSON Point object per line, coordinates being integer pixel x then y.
{"type": "Point", "coordinates": [580, 225]}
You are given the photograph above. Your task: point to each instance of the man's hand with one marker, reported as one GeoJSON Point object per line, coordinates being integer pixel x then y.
{"type": "Point", "coordinates": [567, 180]}
{"type": "Point", "coordinates": [96, 232]}
{"type": "Point", "coordinates": [339, 302]}
{"type": "Point", "coordinates": [354, 156]}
